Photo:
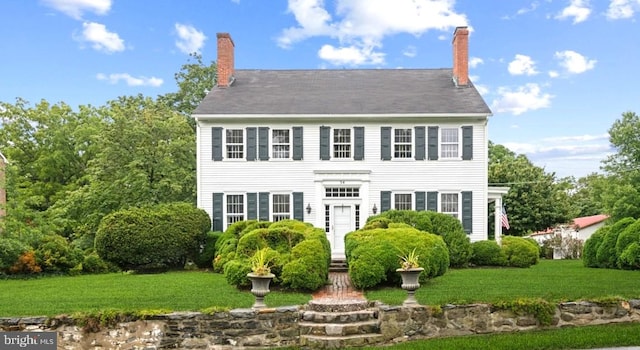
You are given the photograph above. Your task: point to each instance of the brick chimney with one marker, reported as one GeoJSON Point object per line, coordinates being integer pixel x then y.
{"type": "Point", "coordinates": [461, 56]}
{"type": "Point", "coordinates": [225, 60]}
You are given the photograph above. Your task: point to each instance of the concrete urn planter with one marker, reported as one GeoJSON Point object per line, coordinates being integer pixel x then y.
{"type": "Point", "coordinates": [260, 288]}
{"type": "Point", "coordinates": [410, 282]}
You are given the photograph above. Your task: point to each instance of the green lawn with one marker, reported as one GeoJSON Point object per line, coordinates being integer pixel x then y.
{"type": "Point", "coordinates": [552, 280]}
{"type": "Point", "coordinates": [560, 280]}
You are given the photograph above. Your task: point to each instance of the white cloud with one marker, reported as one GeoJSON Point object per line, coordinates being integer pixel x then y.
{"type": "Point", "coordinates": [361, 25]}
{"type": "Point", "coordinates": [574, 62]}
{"type": "Point", "coordinates": [482, 89]}
{"type": "Point", "coordinates": [75, 8]}
{"type": "Point", "coordinates": [100, 38]}
{"type": "Point", "coordinates": [189, 38]}
{"type": "Point", "coordinates": [130, 80]}
{"type": "Point", "coordinates": [350, 55]}
{"type": "Point", "coordinates": [620, 9]}
{"type": "Point", "coordinates": [522, 65]}
{"type": "Point", "coordinates": [410, 51]}
{"type": "Point", "coordinates": [553, 74]}
{"type": "Point", "coordinates": [579, 10]}
{"type": "Point", "coordinates": [525, 98]}
{"type": "Point", "coordinates": [475, 61]}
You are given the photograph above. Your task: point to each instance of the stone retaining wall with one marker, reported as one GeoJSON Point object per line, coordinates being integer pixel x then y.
{"type": "Point", "coordinates": [278, 327]}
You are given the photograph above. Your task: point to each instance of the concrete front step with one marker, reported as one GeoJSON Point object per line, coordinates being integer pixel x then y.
{"type": "Point", "coordinates": [327, 342]}
{"type": "Point", "coordinates": [338, 266]}
{"type": "Point", "coordinates": [339, 329]}
{"type": "Point", "coordinates": [339, 317]}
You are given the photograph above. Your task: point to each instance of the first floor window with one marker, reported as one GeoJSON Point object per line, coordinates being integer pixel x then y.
{"type": "Point", "coordinates": [281, 144]}
{"type": "Point", "coordinates": [342, 143]}
{"type": "Point", "coordinates": [450, 204]}
{"type": "Point", "coordinates": [235, 208]}
{"type": "Point", "coordinates": [235, 143]}
{"type": "Point", "coordinates": [449, 143]}
{"type": "Point", "coordinates": [402, 201]}
{"type": "Point", "coordinates": [281, 207]}
{"type": "Point", "coordinates": [402, 143]}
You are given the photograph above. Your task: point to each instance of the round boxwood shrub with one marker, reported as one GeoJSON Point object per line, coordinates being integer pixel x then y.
{"type": "Point", "coordinates": [92, 263]}
{"type": "Point", "coordinates": [607, 256]}
{"type": "Point", "coordinates": [308, 267]}
{"type": "Point", "coordinates": [235, 272]}
{"type": "Point", "coordinates": [452, 232]}
{"type": "Point", "coordinates": [55, 254]}
{"type": "Point", "coordinates": [487, 253]}
{"type": "Point", "coordinates": [591, 246]}
{"type": "Point", "coordinates": [520, 252]}
{"type": "Point", "coordinates": [10, 250]}
{"type": "Point", "coordinates": [630, 257]}
{"type": "Point", "coordinates": [151, 238]}
{"type": "Point", "coordinates": [630, 234]}
{"type": "Point", "coordinates": [366, 249]}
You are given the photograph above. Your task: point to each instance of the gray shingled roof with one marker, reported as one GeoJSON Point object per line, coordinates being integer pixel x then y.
{"type": "Point", "coordinates": [363, 91]}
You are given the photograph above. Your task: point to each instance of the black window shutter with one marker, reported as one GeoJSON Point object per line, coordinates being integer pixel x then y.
{"type": "Point", "coordinates": [420, 142]}
{"type": "Point", "coordinates": [467, 142]}
{"type": "Point", "coordinates": [297, 143]}
{"type": "Point", "coordinates": [263, 208]}
{"type": "Point", "coordinates": [358, 133]}
{"type": "Point", "coordinates": [263, 143]}
{"type": "Point", "coordinates": [385, 201]}
{"type": "Point", "coordinates": [432, 142]}
{"type": "Point", "coordinates": [325, 143]}
{"type": "Point", "coordinates": [252, 206]}
{"type": "Point", "coordinates": [420, 201]}
{"type": "Point", "coordinates": [467, 211]}
{"type": "Point", "coordinates": [298, 206]}
{"type": "Point", "coordinates": [251, 143]}
{"type": "Point", "coordinates": [385, 143]}
{"type": "Point", "coordinates": [216, 143]}
{"type": "Point", "coordinates": [432, 201]}
{"type": "Point", "coordinates": [217, 219]}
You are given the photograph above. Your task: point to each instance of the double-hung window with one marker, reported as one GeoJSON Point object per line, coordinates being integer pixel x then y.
{"type": "Point", "coordinates": [235, 143]}
{"type": "Point", "coordinates": [235, 208]}
{"type": "Point", "coordinates": [402, 201]}
{"type": "Point", "coordinates": [402, 142]}
{"type": "Point", "coordinates": [281, 208]}
{"type": "Point", "coordinates": [450, 204]}
{"type": "Point", "coordinates": [450, 143]}
{"type": "Point", "coordinates": [342, 143]}
{"type": "Point", "coordinates": [281, 144]}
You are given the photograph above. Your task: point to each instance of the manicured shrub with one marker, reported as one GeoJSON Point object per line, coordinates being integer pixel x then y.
{"type": "Point", "coordinates": [630, 257]}
{"type": "Point", "coordinates": [152, 238]}
{"type": "Point", "coordinates": [235, 272]}
{"type": "Point", "coordinates": [308, 267]}
{"type": "Point", "coordinates": [630, 234]}
{"type": "Point", "coordinates": [281, 239]}
{"type": "Point", "coordinates": [55, 254]}
{"type": "Point", "coordinates": [607, 255]}
{"type": "Point", "coordinates": [204, 258]}
{"type": "Point", "coordinates": [487, 253]}
{"type": "Point", "coordinates": [10, 250]}
{"type": "Point", "coordinates": [520, 252]}
{"type": "Point", "coordinates": [92, 263]}
{"type": "Point", "coordinates": [373, 255]}
{"type": "Point", "coordinates": [376, 222]}
{"type": "Point", "coordinates": [591, 246]}
{"type": "Point", "coordinates": [26, 264]}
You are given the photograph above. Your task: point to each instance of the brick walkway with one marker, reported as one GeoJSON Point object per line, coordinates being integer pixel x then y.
{"type": "Point", "coordinates": [339, 289]}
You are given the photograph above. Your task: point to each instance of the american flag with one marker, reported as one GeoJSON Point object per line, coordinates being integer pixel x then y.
{"type": "Point", "coordinates": [504, 219]}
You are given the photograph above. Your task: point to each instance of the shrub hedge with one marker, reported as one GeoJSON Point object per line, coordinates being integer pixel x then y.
{"type": "Point", "coordinates": [616, 245]}
{"type": "Point", "coordinates": [152, 238]}
{"type": "Point", "coordinates": [607, 255]}
{"type": "Point", "coordinates": [487, 253]}
{"type": "Point", "coordinates": [520, 252]}
{"type": "Point", "coordinates": [591, 245]}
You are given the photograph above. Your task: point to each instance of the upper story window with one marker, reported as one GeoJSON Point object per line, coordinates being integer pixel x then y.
{"type": "Point", "coordinates": [450, 204]}
{"type": "Point", "coordinates": [235, 208]}
{"type": "Point", "coordinates": [235, 143]}
{"type": "Point", "coordinates": [402, 201]}
{"type": "Point", "coordinates": [281, 208]}
{"type": "Point", "coordinates": [281, 143]}
{"type": "Point", "coordinates": [450, 143]}
{"type": "Point", "coordinates": [342, 143]}
{"type": "Point", "coordinates": [402, 143]}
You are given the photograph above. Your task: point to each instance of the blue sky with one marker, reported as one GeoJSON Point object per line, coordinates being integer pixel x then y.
{"type": "Point", "coordinates": [556, 73]}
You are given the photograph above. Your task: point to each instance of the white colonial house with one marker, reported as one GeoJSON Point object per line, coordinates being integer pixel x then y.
{"type": "Point", "coordinates": [333, 147]}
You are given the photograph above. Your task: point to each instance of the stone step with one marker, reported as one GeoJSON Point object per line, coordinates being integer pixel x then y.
{"type": "Point", "coordinates": [338, 305]}
{"type": "Point", "coordinates": [339, 317]}
{"type": "Point", "coordinates": [327, 342]}
{"type": "Point", "coordinates": [339, 329]}
{"type": "Point", "coordinates": [338, 265]}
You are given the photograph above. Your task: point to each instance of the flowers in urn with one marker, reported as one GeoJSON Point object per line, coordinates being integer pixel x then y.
{"type": "Point", "coordinates": [260, 262]}
{"type": "Point", "coordinates": [409, 261]}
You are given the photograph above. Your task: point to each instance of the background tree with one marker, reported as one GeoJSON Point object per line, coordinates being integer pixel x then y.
{"type": "Point", "coordinates": [535, 200]}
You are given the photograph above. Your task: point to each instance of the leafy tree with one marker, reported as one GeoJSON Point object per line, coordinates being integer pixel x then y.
{"type": "Point", "coordinates": [535, 200]}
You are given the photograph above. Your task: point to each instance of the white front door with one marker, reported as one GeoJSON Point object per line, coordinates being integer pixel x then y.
{"type": "Point", "coordinates": [342, 224]}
